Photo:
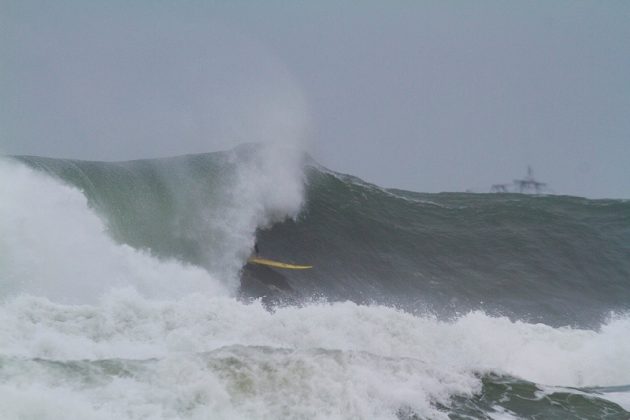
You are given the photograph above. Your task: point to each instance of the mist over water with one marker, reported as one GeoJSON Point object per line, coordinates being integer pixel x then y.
{"type": "Point", "coordinates": [119, 284]}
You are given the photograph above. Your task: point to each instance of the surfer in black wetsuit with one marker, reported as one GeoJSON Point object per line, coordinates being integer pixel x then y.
{"type": "Point", "coordinates": [256, 248]}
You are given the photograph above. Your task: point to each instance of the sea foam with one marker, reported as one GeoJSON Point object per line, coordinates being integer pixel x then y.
{"type": "Point", "coordinates": [197, 354]}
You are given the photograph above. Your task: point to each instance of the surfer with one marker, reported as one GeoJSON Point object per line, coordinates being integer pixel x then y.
{"type": "Point", "coordinates": [256, 248]}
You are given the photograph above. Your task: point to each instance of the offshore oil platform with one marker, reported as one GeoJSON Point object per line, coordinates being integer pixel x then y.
{"type": "Point", "coordinates": [527, 185]}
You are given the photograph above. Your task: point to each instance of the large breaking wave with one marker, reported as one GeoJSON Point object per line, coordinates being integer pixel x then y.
{"type": "Point", "coordinates": [125, 292]}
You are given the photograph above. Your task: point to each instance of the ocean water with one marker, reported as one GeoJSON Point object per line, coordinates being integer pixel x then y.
{"type": "Point", "coordinates": [125, 293]}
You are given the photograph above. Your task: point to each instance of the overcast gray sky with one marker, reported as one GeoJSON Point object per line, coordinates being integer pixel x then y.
{"type": "Point", "coordinates": [422, 95]}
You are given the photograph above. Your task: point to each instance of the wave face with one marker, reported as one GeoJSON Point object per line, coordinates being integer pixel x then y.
{"type": "Point", "coordinates": [553, 259]}
{"type": "Point", "coordinates": [125, 293]}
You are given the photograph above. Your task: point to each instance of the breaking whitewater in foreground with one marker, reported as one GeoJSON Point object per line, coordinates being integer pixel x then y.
{"type": "Point", "coordinates": [124, 293]}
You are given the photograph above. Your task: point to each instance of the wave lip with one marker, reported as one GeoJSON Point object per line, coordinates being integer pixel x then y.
{"type": "Point", "coordinates": [200, 209]}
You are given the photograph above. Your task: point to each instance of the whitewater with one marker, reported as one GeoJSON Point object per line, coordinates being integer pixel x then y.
{"type": "Point", "coordinates": [138, 311]}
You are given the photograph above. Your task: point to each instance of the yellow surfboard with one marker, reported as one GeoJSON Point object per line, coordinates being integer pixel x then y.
{"type": "Point", "coordinates": [277, 264]}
